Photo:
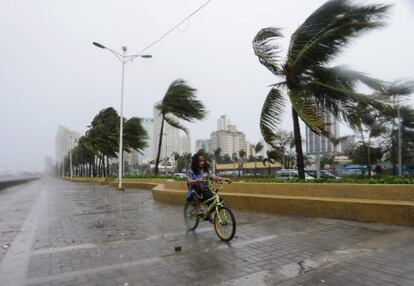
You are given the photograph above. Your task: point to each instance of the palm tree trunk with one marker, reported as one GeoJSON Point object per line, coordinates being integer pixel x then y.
{"type": "Point", "coordinates": [298, 144]}
{"type": "Point", "coordinates": [107, 166]}
{"type": "Point", "coordinates": [157, 161]}
{"type": "Point", "coordinates": [369, 157]}
{"type": "Point", "coordinates": [255, 167]}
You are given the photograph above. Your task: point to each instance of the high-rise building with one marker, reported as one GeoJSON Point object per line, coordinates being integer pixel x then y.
{"type": "Point", "coordinates": [147, 153]}
{"type": "Point", "coordinates": [320, 144]}
{"type": "Point", "coordinates": [204, 144]}
{"type": "Point", "coordinates": [250, 150]}
{"type": "Point", "coordinates": [65, 139]}
{"type": "Point", "coordinates": [185, 145]}
{"type": "Point", "coordinates": [223, 123]}
{"type": "Point", "coordinates": [171, 141]}
{"type": "Point", "coordinates": [227, 137]}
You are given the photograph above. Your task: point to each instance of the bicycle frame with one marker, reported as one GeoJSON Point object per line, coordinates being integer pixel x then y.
{"type": "Point", "coordinates": [213, 203]}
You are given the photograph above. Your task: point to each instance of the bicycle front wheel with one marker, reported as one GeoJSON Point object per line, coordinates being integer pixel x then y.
{"type": "Point", "coordinates": [224, 224]}
{"type": "Point", "coordinates": [191, 218]}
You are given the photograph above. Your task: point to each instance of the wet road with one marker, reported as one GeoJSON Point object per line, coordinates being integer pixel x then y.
{"type": "Point", "coordinates": [61, 233]}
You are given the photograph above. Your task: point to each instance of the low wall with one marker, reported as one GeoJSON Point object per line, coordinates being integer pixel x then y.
{"type": "Point", "coordinates": [390, 204]}
{"type": "Point", "coordinates": [15, 181]}
{"type": "Point", "coordinates": [147, 184]}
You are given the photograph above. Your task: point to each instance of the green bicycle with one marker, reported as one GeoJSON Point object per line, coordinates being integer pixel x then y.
{"type": "Point", "coordinates": [224, 221]}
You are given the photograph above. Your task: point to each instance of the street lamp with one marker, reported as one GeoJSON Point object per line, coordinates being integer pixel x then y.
{"type": "Point", "coordinates": [124, 59]}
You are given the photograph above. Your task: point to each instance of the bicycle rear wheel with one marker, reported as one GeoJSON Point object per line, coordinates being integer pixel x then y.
{"type": "Point", "coordinates": [191, 218]}
{"type": "Point", "coordinates": [224, 224]}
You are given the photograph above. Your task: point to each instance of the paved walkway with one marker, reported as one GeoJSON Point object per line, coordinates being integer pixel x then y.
{"type": "Point", "coordinates": [59, 233]}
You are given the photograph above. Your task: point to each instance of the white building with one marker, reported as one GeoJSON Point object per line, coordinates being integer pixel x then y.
{"type": "Point", "coordinates": [320, 144]}
{"type": "Point", "coordinates": [204, 144]}
{"type": "Point", "coordinates": [250, 150]}
{"type": "Point", "coordinates": [185, 144]}
{"type": "Point", "coordinates": [65, 139]}
{"type": "Point", "coordinates": [227, 137]}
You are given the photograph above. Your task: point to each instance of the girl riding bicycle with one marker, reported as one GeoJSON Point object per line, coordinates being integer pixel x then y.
{"type": "Point", "coordinates": [198, 176]}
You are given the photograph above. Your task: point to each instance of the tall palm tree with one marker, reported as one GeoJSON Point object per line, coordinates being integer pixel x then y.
{"type": "Point", "coordinates": [179, 103]}
{"type": "Point", "coordinates": [257, 149]}
{"type": "Point", "coordinates": [217, 155]}
{"type": "Point", "coordinates": [242, 155]}
{"type": "Point", "coordinates": [309, 82]}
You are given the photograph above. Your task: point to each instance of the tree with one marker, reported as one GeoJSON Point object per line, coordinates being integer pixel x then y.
{"type": "Point", "coordinates": [227, 159]}
{"type": "Point", "coordinates": [327, 160]}
{"type": "Point", "coordinates": [335, 142]}
{"type": "Point", "coordinates": [242, 155]}
{"type": "Point", "coordinates": [358, 154]}
{"type": "Point", "coordinates": [283, 138]}
{"type": "Point", "coordinates": [179, 103]}
{"type": "Point", "coordinates": [103, 137]}
{"type": "Point", "coordinates": [258, 148]}
{"type": "Point", "coordinates": [312, 86]}
{"type": "Point", "coordinates": [272, 157]}
{"type": "Point", "coordinates": [217, 155]}
{"type": "Point", "coordinates": [407, 139]}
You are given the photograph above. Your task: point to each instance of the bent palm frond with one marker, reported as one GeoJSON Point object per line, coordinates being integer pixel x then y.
{"type": "Point", "coordinates": [329, 29]}
{"type": "Point", "coordinates": [267, 50]}
{"type": "Point", "coordinates": [309, 111]}
{"type": "Point", "coordinates": [180, 101]}
{"type": "Point", "coordinates": [271, 115]}
{"type": "Point", "coordinates": [176, 124]}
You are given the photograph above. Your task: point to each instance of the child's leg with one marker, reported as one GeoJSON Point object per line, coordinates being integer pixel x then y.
{"type": "Point", "coordinates": [197, 202]}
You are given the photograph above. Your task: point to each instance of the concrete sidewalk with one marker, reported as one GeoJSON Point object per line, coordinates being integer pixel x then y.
{"type": "Point", "coordinates": [62, 233]}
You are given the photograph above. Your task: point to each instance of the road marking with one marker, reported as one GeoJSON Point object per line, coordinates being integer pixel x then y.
{"type": "Point", "coordinates": [73, 274]}
{"type": "Point", "coordinates": [64, 248]}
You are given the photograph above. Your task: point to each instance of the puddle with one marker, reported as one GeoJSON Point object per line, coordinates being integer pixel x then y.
{"type": "Point", "coordinates": [295, 269]}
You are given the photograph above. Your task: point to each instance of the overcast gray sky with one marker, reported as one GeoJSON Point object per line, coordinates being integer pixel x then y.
{"type": "Point", "coordinates": [50, 73]}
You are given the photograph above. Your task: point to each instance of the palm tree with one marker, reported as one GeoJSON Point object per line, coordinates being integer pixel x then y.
{"type": "Point", "coordinates": [234, 159]}
{"type": "Point", "coordinates": [257, 149]}
{"type": "Point", "coordinates": [242, 155]}
{"type": "Point", "coordinates": [179, 103]}
{"type": "Point", "coordinates": [217, 155]}
{"type": "Point", "coordinates": [310, 84]}
{"type": "Point", "coordinates": [272, 157]}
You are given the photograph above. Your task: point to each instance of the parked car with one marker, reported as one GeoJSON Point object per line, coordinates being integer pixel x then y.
{"type": "Point", "coordinates": [291, 174]}
{"type": "Point", "coordinates": [323, 174]}
{"type": "Point", "coordinates": [180, 175]}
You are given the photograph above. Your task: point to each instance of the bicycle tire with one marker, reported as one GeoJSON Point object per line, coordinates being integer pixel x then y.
{"type": "Point", "coordinates": [191, 219]}
{"type": "Point", "coordinates": [218, 226]}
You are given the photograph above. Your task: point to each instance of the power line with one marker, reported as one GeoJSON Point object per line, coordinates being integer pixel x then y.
{"type": "Point", "coordinates": [175, 27]}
